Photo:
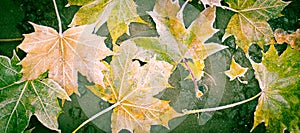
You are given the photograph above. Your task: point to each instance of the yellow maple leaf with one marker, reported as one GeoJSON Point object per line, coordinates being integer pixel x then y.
{"type": "Point", "coordinates": [117, 13]}
{"type": "Point", "coordinates": [197, 69]}
{"type": "Point", "coordinates": [236, 71]}
{"type": "Point", "coordinates": [63, 56]}
{"type": "Point", "coordinates": [131, 89]}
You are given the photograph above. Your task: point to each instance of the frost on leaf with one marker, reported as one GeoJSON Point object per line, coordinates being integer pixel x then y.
{"type": "Point", "coordinates": [211, 2]}
{"type": "Point", "coordinates": [236, 71]}
{"type": "Point", "coordinates": [175, 42]}
{"type": "Point", "coordinates": [279, 80]}
{"type": "Point", "coordinates": [117, 13]}
{"type": "Point", "coordinates": [132, 87]}
{"type": "Point", "coordinates": [20, 100]}
{"type": "Point", "coordinates": [249, 24]}
{"type": "Point", "coordinates": [63, 57]}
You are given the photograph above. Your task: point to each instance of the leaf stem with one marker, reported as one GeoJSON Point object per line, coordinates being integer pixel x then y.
{"type": "Point", "coordinates": [11, 39]}
{"type": "Point", "coordinates": [242, 81]}
{"type": "Point", "coordinates": [96, 115]}
{"type": "Point", "coordinates": [228, 8]}
{"type": "Point", "coordinates": [220, 107]}
{"type": "Point", "coordinates": [15, 107]}
{"type": "Point", "coordinates": [194, 80]}
{"type": "Point", "coordinates": [58, 19]}
{"type": "Point", "coordinates": [212, 79]}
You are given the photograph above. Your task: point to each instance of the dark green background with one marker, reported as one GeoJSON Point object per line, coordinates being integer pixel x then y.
{"type": "Point", "coordinates": [14, 17]}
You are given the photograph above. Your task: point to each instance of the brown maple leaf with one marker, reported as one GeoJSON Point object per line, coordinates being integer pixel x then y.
{"type": "Point", "coordinates": [63, 56]}
{"type": "Point", "coordinates": [293, 39]}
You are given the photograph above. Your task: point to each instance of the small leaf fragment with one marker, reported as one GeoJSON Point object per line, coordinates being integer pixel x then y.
{"type": "Point", "coordinates": [293, 39]}
{"type": "Point", "coordinates": [197, 69]}
{"type": "Point", "coordinates": [235, 70]}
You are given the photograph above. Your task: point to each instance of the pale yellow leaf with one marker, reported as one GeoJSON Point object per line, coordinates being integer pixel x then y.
{"type": "Point", "coordinates": [117, 13]}
{"type": "Point", "coordinates": [133, 87]}
{"type": "Point", "coordinates": [235, 70]}
{"type": "Point", "coordinates": [197, 69]}
{"type": "Point", "coordinates": [77, 50]}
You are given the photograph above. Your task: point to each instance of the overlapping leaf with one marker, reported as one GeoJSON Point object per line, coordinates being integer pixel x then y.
{"type": "Point", "coordinates": [279, 80]}
{"type": "Point", "coordinates": [132, 87]}
{"type": "Point", "coordinates": [176, 42]}
{"type": "Point", "coordinates": [195, 67]}
{"type": "Point", "coordinates": [249, 24]}
{"type": "Point", "coordinates": [117, 13]}
{"type": "Point", "coordinates": [20, 100]}
{"type": "Point", "coordinates": [76, 50]}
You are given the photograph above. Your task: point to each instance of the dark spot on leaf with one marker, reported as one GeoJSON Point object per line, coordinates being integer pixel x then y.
{"type": "Point", "coordinates": [141, 62]}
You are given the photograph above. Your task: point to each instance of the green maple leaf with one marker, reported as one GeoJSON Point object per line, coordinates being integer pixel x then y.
{"type": "Point", "coordinates": [20, 100]}
{"type": "Point", "coordinates": [175, 42]}
{"type": "Point", "coordinates": [279, 80]}
{"type": "Point", "coordinates": [117, 13]}
{"type": "Point", "coordinates": [249, 23]}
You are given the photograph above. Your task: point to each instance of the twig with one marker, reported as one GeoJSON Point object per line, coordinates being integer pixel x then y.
{"type": "Point", "coordinates": [95, 116]}
{"type": "Point", "coordinates": [220, 107]}
{"type": "Point", "coordinates": [211, 78]}
{"type": "Point", "coordinates": [228, 8]}
{"type": "Point", "coordinates": [11, 39]}
{"type": "Point", "coordinates": [58, 19]}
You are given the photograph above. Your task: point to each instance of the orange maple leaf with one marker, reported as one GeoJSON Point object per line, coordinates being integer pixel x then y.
{"type": "Point", "coordinates": [63, 56]}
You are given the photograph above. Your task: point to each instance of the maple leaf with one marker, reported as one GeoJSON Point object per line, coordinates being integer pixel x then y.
{"type": "Point", "coordinates": [279, 80]}
{"type": "Point", "coordinates": [117, 13]}
{"type": "Point", "coordinates": [76, 50]}
{"type": "Point", "coordinates": [20, 100]}
{"type": "Point", "coordinates": [135, 108]}
{"type": "Point", "coordinates": [236, 71]}
{"type": "Point", "coordinates": [175, 42]}
{"type": "Point", "coordinates": [249, 23]}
